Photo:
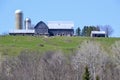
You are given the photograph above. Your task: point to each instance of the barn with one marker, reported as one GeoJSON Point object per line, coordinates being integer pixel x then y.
{"type": "Point", "coordinates": [52, 28]}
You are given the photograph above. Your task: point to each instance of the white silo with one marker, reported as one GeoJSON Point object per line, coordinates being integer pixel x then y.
{"type": "Point", "coordinates": [19, 19]}
{"type": "Point", "coordinates": [27, 23]}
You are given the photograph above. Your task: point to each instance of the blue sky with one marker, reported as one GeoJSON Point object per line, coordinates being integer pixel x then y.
{"type": "Point", "coordinates": [82, 12]}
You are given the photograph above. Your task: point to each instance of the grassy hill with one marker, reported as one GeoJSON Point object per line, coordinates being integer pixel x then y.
{"type": "Point", "coordinates": [13, 45]}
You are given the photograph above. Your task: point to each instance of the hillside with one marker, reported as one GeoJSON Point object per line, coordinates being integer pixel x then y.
{"type": "Point", "coordinates": [21, 58]}
{"type": "Point", "coordinates": [13, 45]}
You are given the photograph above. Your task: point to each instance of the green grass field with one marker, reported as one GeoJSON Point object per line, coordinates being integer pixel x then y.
{"type": "Point", "coordinates": [13, 45]}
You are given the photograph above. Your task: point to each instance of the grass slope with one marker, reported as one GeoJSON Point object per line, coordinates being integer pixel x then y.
{"type": "Point", "coordinates": [13, 45]}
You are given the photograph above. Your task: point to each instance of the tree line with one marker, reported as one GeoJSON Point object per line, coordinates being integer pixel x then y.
{"type": "Point", "coordinates": [90, 62]}
{"type": "Point", "coordinates": [86, 31]}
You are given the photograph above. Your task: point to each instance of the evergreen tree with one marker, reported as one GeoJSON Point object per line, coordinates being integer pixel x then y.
{"type": "Point", "coordinates": [86, 75]}
{"type": "Point", "coordinates": [78, 31]}
{"type": "Point", "coordinates": [97, 77]}
{"type": "Point", "coordinates": [86, 31]}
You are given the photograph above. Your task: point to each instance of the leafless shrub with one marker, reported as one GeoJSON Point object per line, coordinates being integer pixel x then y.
{"type": "Point", "coordinates": [31, 66]}
{"type": "Point", "coordinates": [54, 66]}
{"type": "Point", "coordinates": [23, 67]}
{"type": "Point", "coordinates": [116, 60]}
{"type": "Point", "coordinates": [116, 52]}
{"type": "Point", "coordinates": [91, 54]}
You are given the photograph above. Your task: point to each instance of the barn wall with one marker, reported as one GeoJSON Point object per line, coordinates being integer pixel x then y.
{"type": "Point", "coordinates": [61, 32]}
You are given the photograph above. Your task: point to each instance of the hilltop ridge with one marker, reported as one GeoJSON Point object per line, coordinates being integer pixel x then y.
{"type": "Point", "coordinates": [12, 45]}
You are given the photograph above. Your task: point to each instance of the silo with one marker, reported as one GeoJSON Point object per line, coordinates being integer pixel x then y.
{"type": "Point", "coordinates": [19, 19]}
{"type": "Point", "coordinates": [27, 23]}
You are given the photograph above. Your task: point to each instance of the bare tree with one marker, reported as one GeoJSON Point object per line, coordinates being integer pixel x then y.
{"type": "Point", "coordinates": [23, 67]}
{"type": "Point", "coordinates": [54, 66]}
{"type": "Point", "coordinates": [92, 55]}
{"type": "Point", "coordinates": [116, 51]}
{"type": "Point", "coordinates": [108, 29]}
{"type": "Point", "coordinates": [116, 58]}
{"type": "Point", "coordinates": [31, 66]}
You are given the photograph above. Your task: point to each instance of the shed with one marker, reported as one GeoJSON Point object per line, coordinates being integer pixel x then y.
{"type": "Point", "coordinates": [98, 34]}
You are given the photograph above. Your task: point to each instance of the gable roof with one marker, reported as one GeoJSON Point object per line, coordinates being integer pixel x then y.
{"type": "Point", "coordinates": [41, 24]}
{"type": "Point", "coordinates": [60, 24]}
{"type": "Point", "coordinates": [98, 32]}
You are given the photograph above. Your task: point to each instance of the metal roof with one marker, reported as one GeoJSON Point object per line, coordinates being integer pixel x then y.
{"type": "Point", "coordinates": [27, 19]}
{"type": "Point", "coordinates": [22, 31]}
{"type": "Point", "coordinates": [18, 11]}
{"type": "Point", "coordinates": [98, 32]}
{"type": "Point", "coordinates": [60, 24]}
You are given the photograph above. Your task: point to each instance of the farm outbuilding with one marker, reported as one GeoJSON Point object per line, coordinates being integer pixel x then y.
{"type": "Point", "coordinates": [98, 34]}
{"type": "Point", "coordinates": [53, 28]}
{"type": "Point", "coordinates": [21, 32]}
